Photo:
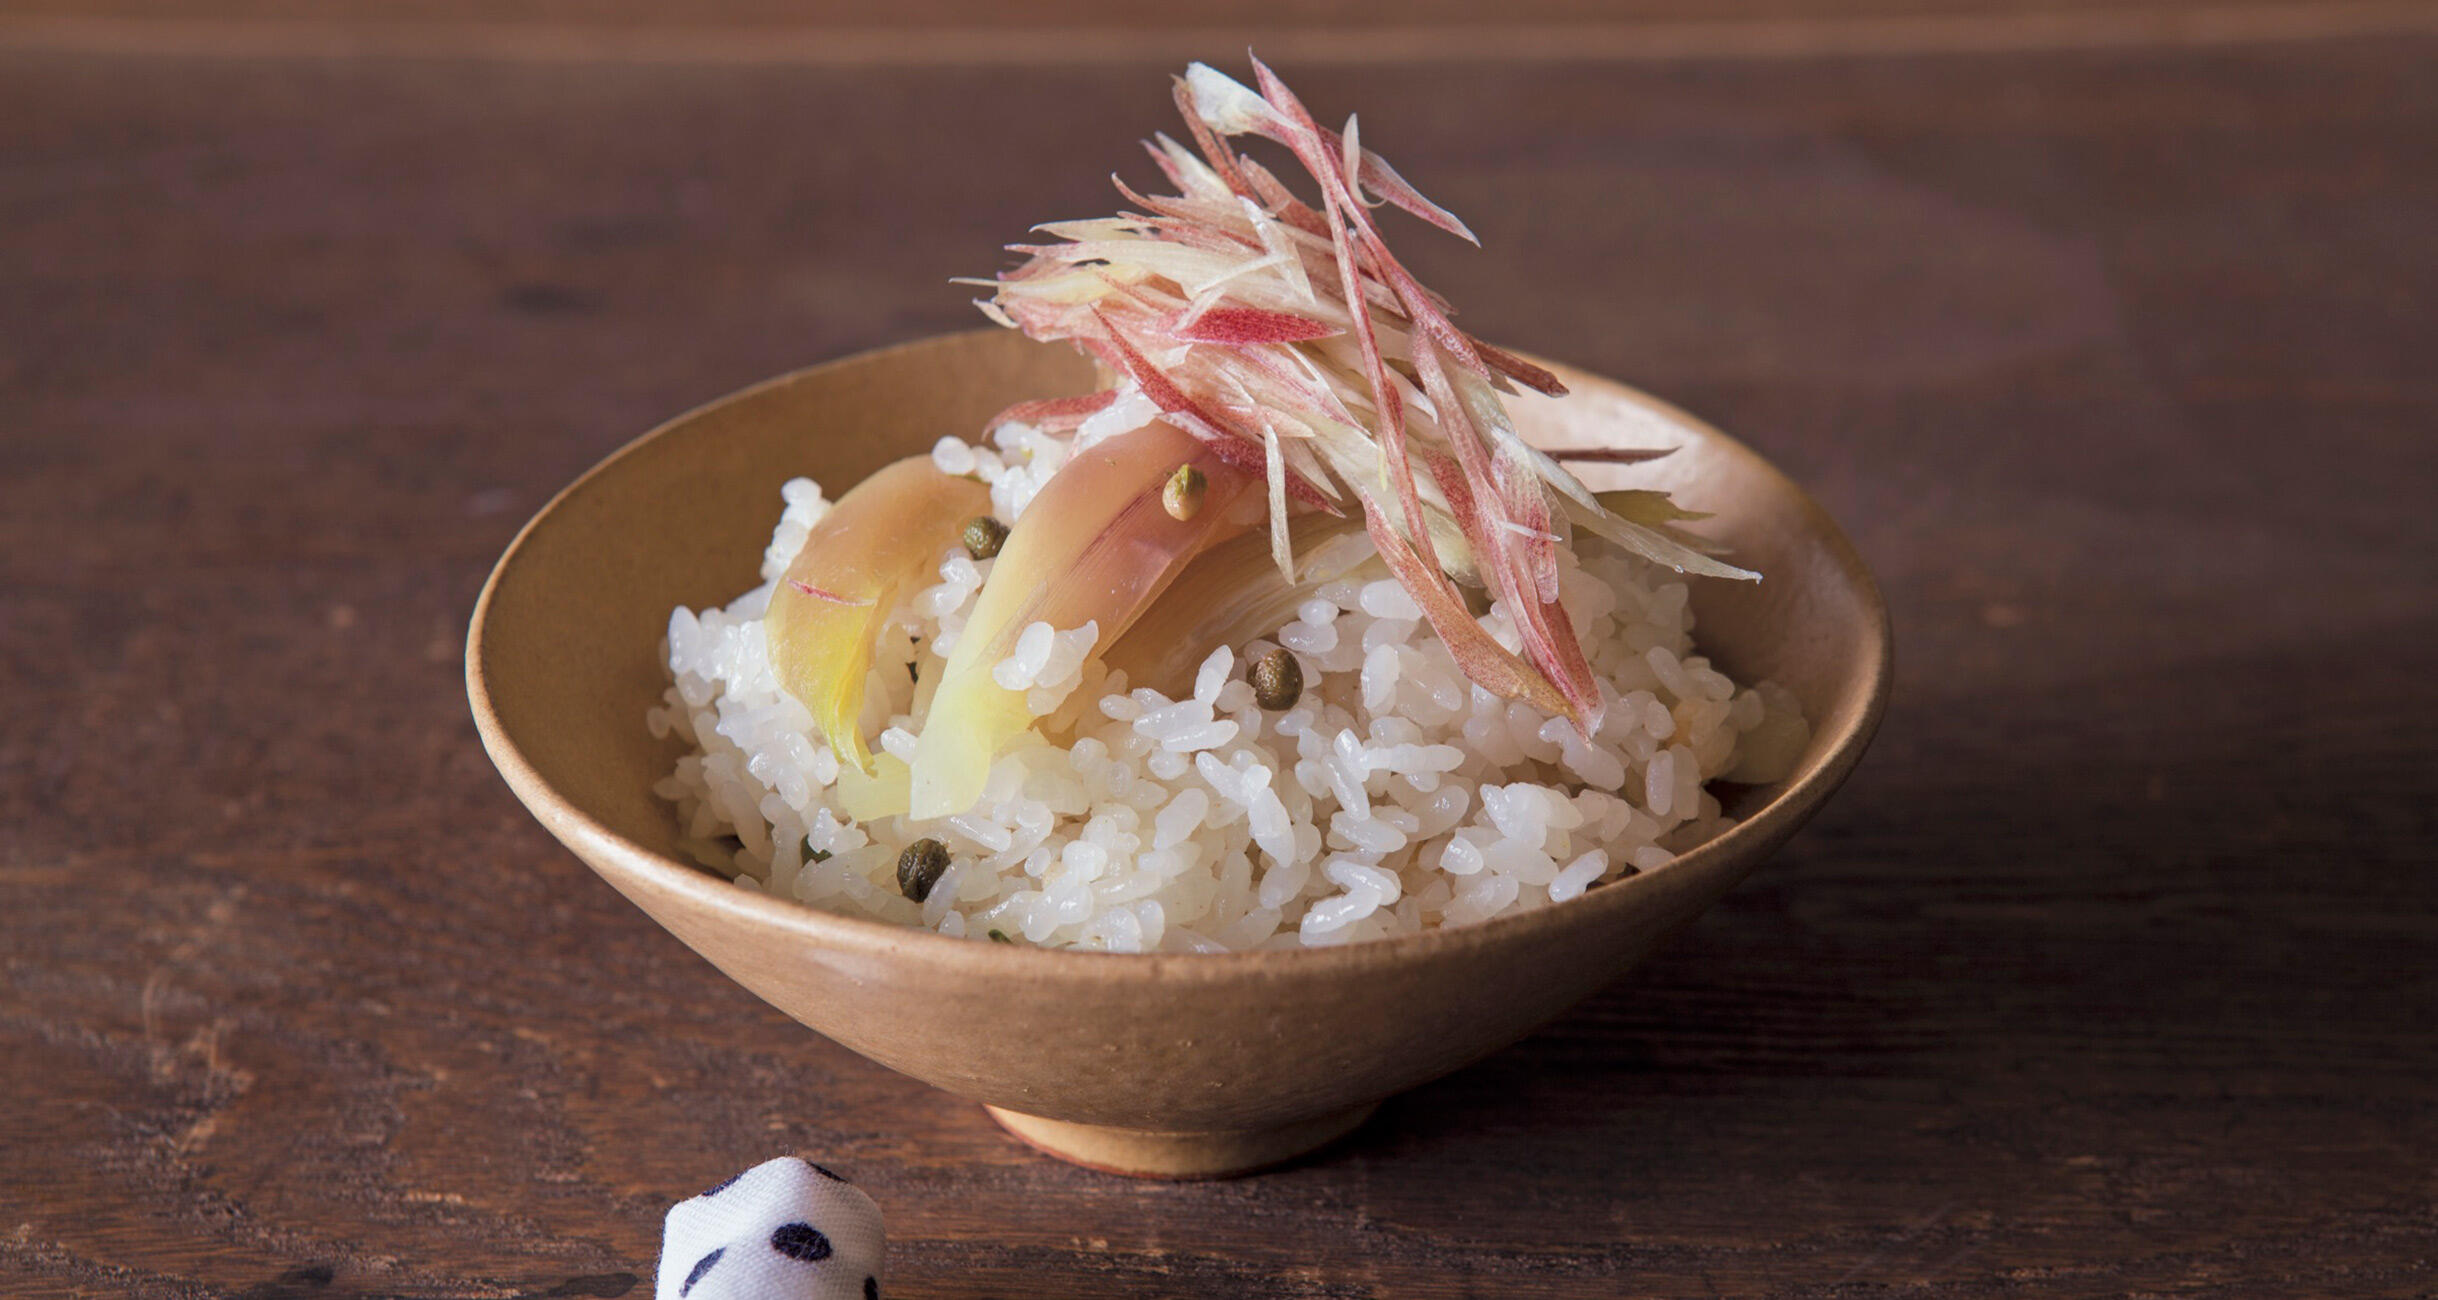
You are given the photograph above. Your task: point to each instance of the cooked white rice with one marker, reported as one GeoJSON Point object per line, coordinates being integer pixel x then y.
{"type": "Point", "coordinates": [1392, 797]}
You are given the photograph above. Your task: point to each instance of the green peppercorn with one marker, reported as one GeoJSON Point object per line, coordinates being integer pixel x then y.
{"type": "Point", "coordinates": [1182, 495]}
{"type": "Point", "coordinates": [1278, 680]}
{"type": "Point", "coordinates": [919, 868]}
{"type": "Point", "coordinates": [984, 536]}
{"type": "Point", "coordinates": [1000, 936]}
{"type": "Point", "coordinates": [812, 854]}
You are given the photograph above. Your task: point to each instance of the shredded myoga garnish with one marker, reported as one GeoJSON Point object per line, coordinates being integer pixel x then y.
{"type": "Point", "coordinates": [1283, 637]}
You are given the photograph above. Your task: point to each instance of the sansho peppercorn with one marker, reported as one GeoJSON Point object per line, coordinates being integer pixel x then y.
{"type": "Point", "coordinates": [984, 536]}
{"type": "Point", "coordinates": [1278, 680]}
{"type": "Point", "coordinates": [1181, 496]}
{"type": "Point", "coordinates": [919, 868]}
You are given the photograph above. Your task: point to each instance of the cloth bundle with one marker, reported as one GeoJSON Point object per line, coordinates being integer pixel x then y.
{"type": "Point", "coordinates": [786, 1229]}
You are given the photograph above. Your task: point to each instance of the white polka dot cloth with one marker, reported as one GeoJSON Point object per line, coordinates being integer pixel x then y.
{"type": "Point", "coordinates": [786, 1229]}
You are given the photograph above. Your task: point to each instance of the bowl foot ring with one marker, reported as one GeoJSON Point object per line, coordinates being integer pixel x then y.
{"type": "Point", "coordinates": [1139, 1153]}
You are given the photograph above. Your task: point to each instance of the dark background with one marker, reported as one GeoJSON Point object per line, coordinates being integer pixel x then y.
{"type": "Point", "coordinates": [2106, 332]}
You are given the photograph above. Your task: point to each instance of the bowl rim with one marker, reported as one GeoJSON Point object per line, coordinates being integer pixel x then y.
{"type": "Point", "coordinates": [605, 849]}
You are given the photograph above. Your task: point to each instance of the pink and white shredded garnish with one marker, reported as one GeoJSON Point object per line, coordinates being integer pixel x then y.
{"type": "Point", "coordinates": [1231, 307]}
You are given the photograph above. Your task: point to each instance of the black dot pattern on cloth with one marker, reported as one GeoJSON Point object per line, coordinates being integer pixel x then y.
{"type": "Point", "coordinates": [702, 1266]}
{"type": "Point", "coordinates": [871, 1288]}
{"type": "Point", "coordinates": [724, 1185]}
{"type": "Point", "coordinates": [800, 1241]}
{"type": "Point", "coordinates": [826, 1172]}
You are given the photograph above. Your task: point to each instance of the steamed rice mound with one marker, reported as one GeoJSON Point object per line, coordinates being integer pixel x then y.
{"type": "Point", "coordinates": [1392, 797]}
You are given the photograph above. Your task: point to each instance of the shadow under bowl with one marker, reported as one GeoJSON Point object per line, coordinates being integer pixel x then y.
{"type": "Point", "coordinates": [1167, 1065]}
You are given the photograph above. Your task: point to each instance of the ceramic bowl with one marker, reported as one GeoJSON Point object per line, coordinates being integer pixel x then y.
{"type": "Point", "coordinates": [1167, 1065]}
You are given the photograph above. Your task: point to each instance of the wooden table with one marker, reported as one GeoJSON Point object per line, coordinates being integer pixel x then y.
{"type": "Point", "coordinates": [2108, 335]}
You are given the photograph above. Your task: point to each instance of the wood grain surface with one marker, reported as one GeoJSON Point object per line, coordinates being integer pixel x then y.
{"type": "Point", "coordinates": [2113, 971]}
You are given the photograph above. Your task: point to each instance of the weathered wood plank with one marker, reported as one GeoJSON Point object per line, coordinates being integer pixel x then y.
{"type": "Point", "coordinates": [2113, 970]}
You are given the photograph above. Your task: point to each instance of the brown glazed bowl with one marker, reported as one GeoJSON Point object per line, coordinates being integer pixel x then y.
{"type": "Point", "coordinates": [1164, 1065]}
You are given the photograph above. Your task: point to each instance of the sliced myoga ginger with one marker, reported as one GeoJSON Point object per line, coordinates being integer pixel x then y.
{"type": "Point", "coordinates": [825, 615]}
{"type": "Point", "coordinates": [1094, 547]}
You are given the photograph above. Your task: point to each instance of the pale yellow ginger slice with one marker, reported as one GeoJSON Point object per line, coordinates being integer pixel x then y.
{"type": "Point", "coordinates": [1231, 594]}
{"type": "Point", "coordinates": [890, 530]}
{"type": "Point", "coordinates": [1095, 546]}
